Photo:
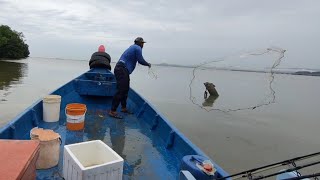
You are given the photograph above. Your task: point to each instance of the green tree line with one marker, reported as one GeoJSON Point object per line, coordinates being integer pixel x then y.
{"type": "Point", "coordinates": [12, 44]}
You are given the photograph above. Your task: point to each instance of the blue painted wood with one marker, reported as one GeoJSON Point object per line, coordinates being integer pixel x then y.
{"type": "Point", "coordinates": [155, 122]}
{"type": "Point", "coordinates": [186, 175]}
{"type": "Point", "coordinates": [98, 83]}
{"type": "Point", "coordinates": [96, 76]}
{"type": "Point", "coordinates": [151, 146]}
{"type": "Point", "coordinates": [170, 140]}
{"type": "Point", "coordinates": [142, 109]}
{"type": "Point", "coordinates": [35, 120]}
{"type": "Point", "coordinates": [12, 132]}
{"type": "Point", "coordinates": [95, 88]}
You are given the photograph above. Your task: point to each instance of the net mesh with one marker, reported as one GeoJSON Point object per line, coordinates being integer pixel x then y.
{"type": "Point", "coordinates": [247, 61]}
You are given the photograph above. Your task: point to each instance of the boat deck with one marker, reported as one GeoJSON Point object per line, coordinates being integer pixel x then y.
{"type": "Point", "coordinates": [152, 148]}
{"type": "Point", "coordinates": [143, 151]}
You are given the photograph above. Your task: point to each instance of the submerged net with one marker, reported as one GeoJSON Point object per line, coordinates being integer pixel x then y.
{"type": "Point", "coordinates": [270, 56]}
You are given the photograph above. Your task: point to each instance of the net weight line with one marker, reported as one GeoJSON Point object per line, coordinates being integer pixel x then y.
{"type": "Point", "coordinates": [272, 92]}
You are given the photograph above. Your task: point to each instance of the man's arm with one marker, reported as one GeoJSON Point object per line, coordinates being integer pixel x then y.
{"type": "Point", "coordinates": [140, 58]}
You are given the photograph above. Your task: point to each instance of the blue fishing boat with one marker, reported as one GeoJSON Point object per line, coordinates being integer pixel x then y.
{"type": "Point", "coordinates": [152, 148]}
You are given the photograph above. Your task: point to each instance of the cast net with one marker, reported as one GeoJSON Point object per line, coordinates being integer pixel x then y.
{"type": "Point", "coordinates": [244, 81]}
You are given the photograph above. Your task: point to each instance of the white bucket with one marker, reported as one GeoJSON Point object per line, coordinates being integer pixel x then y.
{"type": "Point", "coordinates": [50, 142]}
{"type": "Point", "coordinates": [51, 108]}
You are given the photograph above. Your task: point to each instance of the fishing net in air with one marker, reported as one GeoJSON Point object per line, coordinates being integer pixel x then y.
{"type": "Point", "coordinates": [244, 81]}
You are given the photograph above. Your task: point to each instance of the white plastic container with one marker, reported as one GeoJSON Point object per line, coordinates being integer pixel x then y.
{"type": "Point", "coordinates": [91, 160]}
{"type": "Point", "coordinates": [50, 142]}
{"type": "Point", "coordinates": [51, 108]}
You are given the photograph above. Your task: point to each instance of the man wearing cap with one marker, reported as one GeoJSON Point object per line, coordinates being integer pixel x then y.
{"type": "Point", "coordinates": [122, 71]}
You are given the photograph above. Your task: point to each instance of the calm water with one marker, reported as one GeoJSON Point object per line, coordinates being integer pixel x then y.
{"type": "Point", "coordinates": [236, 140]}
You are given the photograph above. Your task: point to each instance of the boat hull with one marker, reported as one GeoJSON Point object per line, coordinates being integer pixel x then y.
{"type": "Point", "coordinates": [150, 145]}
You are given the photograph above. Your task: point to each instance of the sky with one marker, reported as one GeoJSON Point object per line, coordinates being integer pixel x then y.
{"type": "Point", "coordinates": [179, 32]}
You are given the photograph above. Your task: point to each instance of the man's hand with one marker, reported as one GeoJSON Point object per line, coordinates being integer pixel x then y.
{"type": "Point", "coordinates": [149, 65]}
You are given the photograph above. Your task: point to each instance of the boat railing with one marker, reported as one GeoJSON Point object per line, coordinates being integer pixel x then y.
{"type": "Point", "coordinates": [291, 173]}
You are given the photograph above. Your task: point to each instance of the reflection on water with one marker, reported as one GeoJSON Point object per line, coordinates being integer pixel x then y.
{"type": "Point", "coordinates": [117, 136]}
{"type": "Point", "coordinates": [208, 102]}
{"type": "Point", "coordinates": [95, 124]}
{"type": "Point", "coordinates": [11, 73]}
{"type": "Point", "coordinates": [244, 139]}
{"type": "Point", "coordinates": [130, 139]}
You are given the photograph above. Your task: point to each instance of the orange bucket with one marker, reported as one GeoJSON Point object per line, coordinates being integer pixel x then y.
{"type": "Point", "coordinates": [75, 113]}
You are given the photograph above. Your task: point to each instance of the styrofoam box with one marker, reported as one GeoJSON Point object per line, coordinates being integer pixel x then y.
{"type": "Point", "coordinates": [91, 160]}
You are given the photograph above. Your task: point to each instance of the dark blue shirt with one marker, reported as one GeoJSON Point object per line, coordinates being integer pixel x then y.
{"type": "Point", "coordinates": [131, 56]}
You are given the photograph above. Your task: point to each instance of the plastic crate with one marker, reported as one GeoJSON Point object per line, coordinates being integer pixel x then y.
{"type": "Point", "coordinates": [91, 160]}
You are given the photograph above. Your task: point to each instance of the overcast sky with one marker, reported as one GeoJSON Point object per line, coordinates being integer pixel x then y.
{"type": "Point", "coordinates": [180, 32]}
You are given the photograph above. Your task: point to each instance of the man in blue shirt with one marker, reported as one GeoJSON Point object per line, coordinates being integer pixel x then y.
{"type": "Point", "coordinates": [122, 71]}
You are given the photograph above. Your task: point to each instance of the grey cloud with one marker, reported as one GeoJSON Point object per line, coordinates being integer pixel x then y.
{"type": "Point", "coordinates": [177, 31]}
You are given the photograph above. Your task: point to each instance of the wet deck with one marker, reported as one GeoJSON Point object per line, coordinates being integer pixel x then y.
{"type": "Point", "coordinates": [143, 151]}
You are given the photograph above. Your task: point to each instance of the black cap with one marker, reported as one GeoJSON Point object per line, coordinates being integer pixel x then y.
{"type": "Point", "coordinates": [139, 39]}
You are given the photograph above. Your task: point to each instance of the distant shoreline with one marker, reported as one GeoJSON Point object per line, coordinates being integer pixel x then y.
{"type": "Point", "coordinates": [276, 71]}
{"type": "Point", "coordinates": [291, 71]}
